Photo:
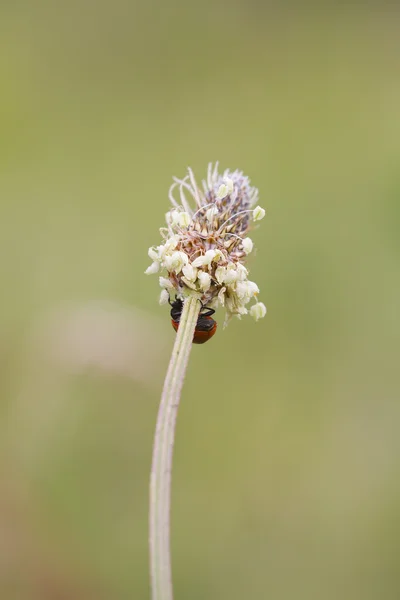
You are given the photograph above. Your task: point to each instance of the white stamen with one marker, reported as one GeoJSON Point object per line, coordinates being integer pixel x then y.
{"type": "Point", "coordinates": [221, 296]}
{"type": "Point", "coordinates": [207, 258]}
{"type": "Point", "coordinates": [220, 273]}
{"type": "Point", "coordinates": [184, 219]}
{"type": "Point", "coordinates": [232, 275]}
{"type": "Point", "coordinates": [189, 283]}
{"type": "Point", "coordinates": [164, 297]}
{"type": "Point", "coordinates": [170, 244]}
{"type": "Point", "coordinates": [166, 283]}
{"type": "Point", "coordinates": [245, 290]}
{"type": "Point", "coordinates": [258, 311]}
{"type": "Point", "coordinates": [222, 191]}
{"type": "Point", "coordinates": [205, 281]}
{"type": "Point", "coordinates": [242, 272]}
{"type": "Point", "coordinates": [153, 254]}
{"type": "Point", "coordinates": [153, 268]}
{"type": "Point", "coordinates": [211, 212]}
{"type": "Point", "coordinates": [175, 261]}
{"type": "Point", "coordinates": [173, 217]}
{"type": "Point", "coordinates": [190, 272]}
{"type": "Point", "coordinates": [258, 213]}
{"type": "Point", "coordinates": [247, 245]}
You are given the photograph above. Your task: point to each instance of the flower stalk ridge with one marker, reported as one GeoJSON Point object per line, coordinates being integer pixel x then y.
{"type": "Point", "coordinates": [205, 242]}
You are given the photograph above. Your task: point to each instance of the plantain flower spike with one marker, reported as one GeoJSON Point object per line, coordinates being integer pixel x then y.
{"type": "Point", "coordinates": [205, 243]}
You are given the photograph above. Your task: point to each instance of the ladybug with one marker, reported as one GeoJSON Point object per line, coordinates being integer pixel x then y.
{"type": "Point", "coordinates": [205, 327]}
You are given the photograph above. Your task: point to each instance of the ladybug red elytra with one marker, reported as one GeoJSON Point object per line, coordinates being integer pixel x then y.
{"type": "Point", "coordinates": [205, 327]}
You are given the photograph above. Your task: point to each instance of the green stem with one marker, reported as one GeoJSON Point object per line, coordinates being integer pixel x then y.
{"type": "Point", "coordinates": [160, 482]}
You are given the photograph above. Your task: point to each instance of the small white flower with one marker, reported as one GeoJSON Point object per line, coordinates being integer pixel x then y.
{"type": "Point", "coordinates": [175, 261]}
{"type": "Point", "coordinates": [204, 245]}
{"type": "Point", "coordinates": [207, 258]}
{"type": "Point", "coordinates": [166, 283]}
{"type": "Point", "coordinates": [205, 281]}
{"type": "Point", "coordinates": [189, 283]}
{"type": "Point", "coordinates": [232, 274]}
{"type": "Point", "coordinates": [253, 288]}
{"type": "Point", "coordinates": [153, 268]}
{"type": "Point", "coordinates": [242, 272]}
{"type": "Point", "coordinates": [164, 297]}
{"type": "Point", "coordinates": [179, 218]}
{"type": "Point", "coordinates": [200, 261]}
{"type": "Point", "coordinates": [231, 304]}
{"type": "Point", "coordinates": [258, 213]}
{"type": "Point", "coordinates": [153, 254]}
{"type": "Point", "coordinates": [169, 262]}
{"type": "Point", "coordinates": [220, 273]}
{"type": "Point", "coordinates": [182, 260]}
{"type": "Point", "coordinates": [247, 245]}
{"type": "Point", "coordinates": [160, 252]}
{"type": "Point", "coordinates": [258, 311]}
{"type": "Point", "coordinates": [210, 256]}
{"type": "Point", "coordinates": [175, 215]}
{"type": "Point", "coordinates": [217, 256]}
{"type": "Point", "coordinates": [170, 244]}
{"type": "Point", "coordinates": [190, 272]}
{"type": "Point", "coordinates": [245, 290]}
{"type": "Point", "coordinates": [184, 219]}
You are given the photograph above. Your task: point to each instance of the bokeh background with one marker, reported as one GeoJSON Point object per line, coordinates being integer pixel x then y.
{"type": "Point", "coordinates": [286, 475]}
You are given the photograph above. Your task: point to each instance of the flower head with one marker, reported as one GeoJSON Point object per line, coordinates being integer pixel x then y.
{"type": "Point", "coordinates": [205, 242]}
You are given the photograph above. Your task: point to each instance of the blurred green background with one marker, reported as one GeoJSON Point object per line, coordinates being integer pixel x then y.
{"type": "Point", "coordinates": [286, 475]}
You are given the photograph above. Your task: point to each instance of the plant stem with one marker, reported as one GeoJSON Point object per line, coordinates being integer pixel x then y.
{"type": "Point", "coordinates": [160, 481]}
